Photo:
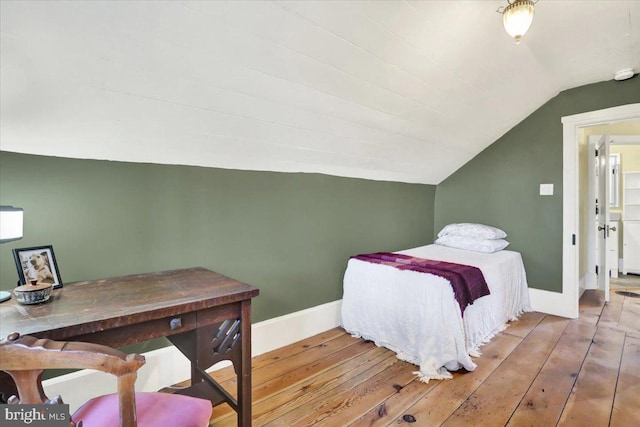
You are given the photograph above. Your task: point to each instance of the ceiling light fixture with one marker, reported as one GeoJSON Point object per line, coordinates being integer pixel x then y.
{"type": "Point", "coordinates": [517, 17]}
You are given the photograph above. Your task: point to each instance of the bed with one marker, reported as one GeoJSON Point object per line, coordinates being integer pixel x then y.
{"type": "Point", "coordinates": [416, 315]}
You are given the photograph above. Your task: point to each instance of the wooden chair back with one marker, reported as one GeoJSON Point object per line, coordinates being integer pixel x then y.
{"type": "Point", "coordinates": [25, 358]}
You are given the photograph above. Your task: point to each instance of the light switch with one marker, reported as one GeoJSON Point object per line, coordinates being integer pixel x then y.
{"type": "Point", "coordinates": [546, 189]}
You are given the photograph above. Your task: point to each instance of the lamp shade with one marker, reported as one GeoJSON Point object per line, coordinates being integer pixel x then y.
{"type": "Point", "coordinates": [517, 18]}
{"type": "Point", "coordinates": [10, 223]}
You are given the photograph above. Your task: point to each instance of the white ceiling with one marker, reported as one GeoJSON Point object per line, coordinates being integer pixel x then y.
{"type": "Point", "coordinates": [400, 90]}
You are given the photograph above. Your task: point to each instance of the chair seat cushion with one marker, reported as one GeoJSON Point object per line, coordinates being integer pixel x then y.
{"type": "Point", "coordinates": [152, 410]}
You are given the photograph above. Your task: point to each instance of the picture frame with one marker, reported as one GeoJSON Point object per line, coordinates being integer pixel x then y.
{"type": "Point", "coordinates": [37, 265]}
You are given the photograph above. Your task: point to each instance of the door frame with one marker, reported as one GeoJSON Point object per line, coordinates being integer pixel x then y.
{"type": "Point", "coordinates": [566, 303]}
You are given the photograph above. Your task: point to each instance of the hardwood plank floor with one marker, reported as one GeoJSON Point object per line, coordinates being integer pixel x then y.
{"type": "Point", "coordinates": [541, 371]}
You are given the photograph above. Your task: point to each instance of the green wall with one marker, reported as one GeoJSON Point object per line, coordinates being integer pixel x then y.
{"type": "Point", "coordinates": [500, 186]}
{"type": "Point", "coordinates": [288, 234]}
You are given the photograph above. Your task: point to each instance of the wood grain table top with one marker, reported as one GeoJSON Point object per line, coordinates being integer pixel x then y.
{"type": "Point", "coordinates": [85, 307]}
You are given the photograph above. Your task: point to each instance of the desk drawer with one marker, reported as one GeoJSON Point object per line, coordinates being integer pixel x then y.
{"type": "Point", "coordinates": [210, 316]}
{"type": "Point", "coordinates": [133, 333]}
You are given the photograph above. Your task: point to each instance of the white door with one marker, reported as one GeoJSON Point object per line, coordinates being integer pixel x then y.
{"type": "Point", "coordinates": [602, 209]}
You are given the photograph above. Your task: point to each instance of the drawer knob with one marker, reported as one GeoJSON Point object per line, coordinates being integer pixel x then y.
{"type": "Point", "coordinates": [175, 323]}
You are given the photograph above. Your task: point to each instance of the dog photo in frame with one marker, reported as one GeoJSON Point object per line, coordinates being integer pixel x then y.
{"type": "Point", "coordinates": [37, 265]}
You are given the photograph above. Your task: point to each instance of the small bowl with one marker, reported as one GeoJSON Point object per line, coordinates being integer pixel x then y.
{"type": "Point", "coordinates": [33, 294]}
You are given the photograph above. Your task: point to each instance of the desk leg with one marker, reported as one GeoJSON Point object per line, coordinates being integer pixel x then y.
{"type": "Point", "coordinates": [244, 370]}
{"type": "Point", "coordinates": [212, 343]}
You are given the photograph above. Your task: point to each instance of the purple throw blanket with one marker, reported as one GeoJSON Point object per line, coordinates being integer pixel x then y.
{"type": "Point", "coordinates": [467, 282]}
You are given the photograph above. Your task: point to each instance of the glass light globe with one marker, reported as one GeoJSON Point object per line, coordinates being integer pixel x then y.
{"type": "Point", "coordinates": [517, 18]}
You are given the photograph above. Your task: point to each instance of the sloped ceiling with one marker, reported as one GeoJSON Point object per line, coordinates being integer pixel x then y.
{"type": "Point", "coordinates": [398, 90]}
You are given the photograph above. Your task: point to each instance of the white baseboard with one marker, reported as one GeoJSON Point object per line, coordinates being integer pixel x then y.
{"type": "Point", "coordinates": [166, 366]}
{"type": "Point", "coordinates": [284, 330]}
{"type": "Point", "coordinates": [558, 304]}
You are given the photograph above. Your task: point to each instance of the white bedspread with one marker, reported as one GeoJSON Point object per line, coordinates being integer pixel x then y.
{"type": "Point", "coordinates": [415, 314]}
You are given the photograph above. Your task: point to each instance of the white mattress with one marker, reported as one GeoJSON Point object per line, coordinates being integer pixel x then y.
{"type": "Point", "coordinates": [415, 314]}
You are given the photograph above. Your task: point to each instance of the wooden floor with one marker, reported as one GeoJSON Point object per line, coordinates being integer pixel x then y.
{"type": "Point", "coordinates": [541, 371]}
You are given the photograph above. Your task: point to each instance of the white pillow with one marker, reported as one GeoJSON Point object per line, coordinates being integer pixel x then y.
{"type": "Point", "coordinates": [478, 231]}
{"type": "Point", "coordinates": [473, 244]}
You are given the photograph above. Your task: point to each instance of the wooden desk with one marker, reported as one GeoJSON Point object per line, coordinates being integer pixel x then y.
{"type": "Point", "coordinates": [204, 314]}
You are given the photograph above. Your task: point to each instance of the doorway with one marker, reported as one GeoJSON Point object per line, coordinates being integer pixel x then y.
{"type": "Point", "coordinates": [624, 155]}
{"type": "Point", "coordinates": [566, 303]}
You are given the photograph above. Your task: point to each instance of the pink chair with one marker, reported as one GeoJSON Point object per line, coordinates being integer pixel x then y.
{"type": "Point", "coordinates": [25, 358]}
